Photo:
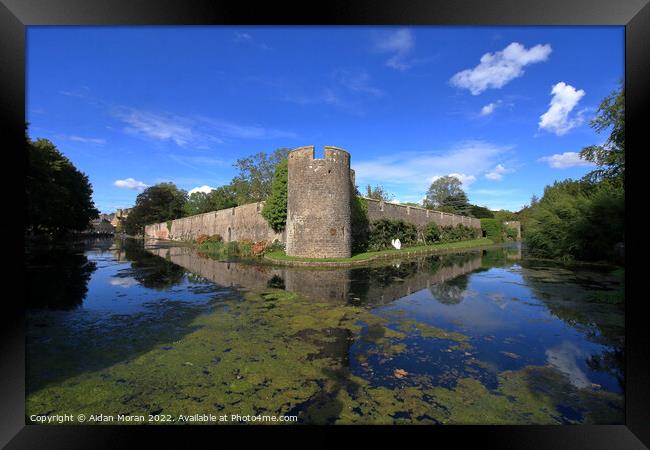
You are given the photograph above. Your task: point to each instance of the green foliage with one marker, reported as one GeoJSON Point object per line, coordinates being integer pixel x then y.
{"type": "Point", "coordinates": [460, 232]}
{"type": "Point", "coordinates": [493, 229]}
{"type": "Point", "coordinates": [158, 203]}
{"type": "Point", "coordinates": [481, 212]}
{"type": "Point", "coordinates": [610, 157]}
{"type": "Point", "coordinates": [275, 208]}
{"type": "Point", "coordinates": [441, 189]}
{"type": "Point", "coordinates": [383, 231]}
{"type": "Point", "coordinates": [255, 178]}
{"type": "Point", "coordinates": [511, 233]}
{"type": "Point", "coordinates": [504, 215]}
{"type": "Point", "coordinates": [360, 224]}
{"type": "Point", "coordinates": [378, 193]}
{"type": "Point", "coordinates": [432, 233]}
{"type": "Point", "coordinates": [200, 202]}
{"type": "Point", "coordinates": [59, 196]}
{"type": "Point", "coordinates": [577, 220]}
{"type": "Point", "coordinates": [457, 204]}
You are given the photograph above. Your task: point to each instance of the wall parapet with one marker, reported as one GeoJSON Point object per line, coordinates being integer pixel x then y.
{"type": "Point", "coordinates": [244, 222]}
{"type": "Point", "coordinates": [415, 214]}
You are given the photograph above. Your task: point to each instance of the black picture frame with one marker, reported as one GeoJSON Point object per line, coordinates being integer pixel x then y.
{"type": "Point", "coordinates": [16, 15]}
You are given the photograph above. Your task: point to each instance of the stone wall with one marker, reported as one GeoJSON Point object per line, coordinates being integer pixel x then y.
{"type": "Point", "coordinates": [243, 222]}
{"type": "Point", "coordinates": [418, 216]}
{"type": "Point", "coordinates": [318, 204]}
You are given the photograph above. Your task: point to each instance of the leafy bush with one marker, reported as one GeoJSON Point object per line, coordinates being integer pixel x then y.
{"type": "Point", "coordinates": [432, 233]}
{"type": "Point", "coordinates": [360, 224]}
{"type": "Point", "coordinates": [383, 231]}
{"type": "Point", "coordinates": [577, 220]}
{"type": "Point", "coordinates": [493, 229]}
{"type": "Point", "coordinates": [512, 233]}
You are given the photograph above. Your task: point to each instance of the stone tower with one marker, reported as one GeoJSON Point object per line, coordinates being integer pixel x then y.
{"type": "Point", "coordinates": [318, 204]}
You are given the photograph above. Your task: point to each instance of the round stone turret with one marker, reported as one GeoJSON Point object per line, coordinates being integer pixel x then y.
{"type": "Point", "coordinates": [318, 204]}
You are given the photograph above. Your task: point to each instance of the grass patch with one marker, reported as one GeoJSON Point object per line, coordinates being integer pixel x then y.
{"type": "Point", "coordinates": [279, 255]}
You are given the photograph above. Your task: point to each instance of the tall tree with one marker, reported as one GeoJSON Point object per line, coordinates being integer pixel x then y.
{"type": "Point", "coordinates": [275, 208]}
{"type": "Point", "coordinates": [610, 157]}
{"type": "Point", "coordinates": [440, 189]}
{"type": "Point", "coordinates": [201, 202]}
{"type": "Point", "coordinates": [59, 196]}
{"type": "Point", "coordinates": [378, 193]}
{"type": "Point", "coordinates": [158, 203]}
{"type": "Point", "coordinates": [457, 204]}
{"type": "Point", "coordinates": [253, 183]}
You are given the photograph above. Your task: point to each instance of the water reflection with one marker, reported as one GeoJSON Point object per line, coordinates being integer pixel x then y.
{"type": "Point", "coordinates": [457, 338]}
{"type": "Point", "coordinates": [375, 285]}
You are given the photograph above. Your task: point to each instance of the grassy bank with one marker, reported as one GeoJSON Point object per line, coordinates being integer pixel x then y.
{"type": "Point", "coordinates": [280, 256]}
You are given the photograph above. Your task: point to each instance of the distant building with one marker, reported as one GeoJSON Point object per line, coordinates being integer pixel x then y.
{"type": "Point", "coordinates": [102, 225]}
{"type": "Point", "coordinates": [118, 217]}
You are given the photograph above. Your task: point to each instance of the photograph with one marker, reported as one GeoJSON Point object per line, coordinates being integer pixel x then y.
{"type": "Point", "coordinates": [343, 225]}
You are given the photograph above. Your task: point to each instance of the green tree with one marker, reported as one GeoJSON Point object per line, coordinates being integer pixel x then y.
{"type": "Point", "coordinates": [59, 196]}
{"type": "Point", "coordinates": [440, 189]}
{"type": "Point", "coordinates": [457, 204]}
{"type": "Point", "coordinates": [378, 193]}
{"type": "Point", "coordinates": [158, 203]}
{"type": "Point", "coordinates": [275, 208]}
{"type": "Point", "coordinates": [505, 215]}
{"type": "Point", "coordinates": [255, 178]}
{"type": "Point", "coordinates": [481, 212]}
{"type": "Point", "coordinates": [197, 203]}
{"type": "Point", "coordinates": [610, 157]}
{"type": "Point", "coordinates": [201, 202]}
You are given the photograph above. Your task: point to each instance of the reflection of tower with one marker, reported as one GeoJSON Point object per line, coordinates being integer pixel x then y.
{"type": "Point", "coordinates": [318, 203]}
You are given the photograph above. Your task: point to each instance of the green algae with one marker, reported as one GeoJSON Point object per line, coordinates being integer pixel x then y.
{"type": "Point", "coordinates": [275, 352]}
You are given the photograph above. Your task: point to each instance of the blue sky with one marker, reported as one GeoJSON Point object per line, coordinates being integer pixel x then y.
{"type": "Point", "coordinates": [506, 109]}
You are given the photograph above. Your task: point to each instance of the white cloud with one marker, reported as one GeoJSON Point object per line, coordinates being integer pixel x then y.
{"type": "Point", "coordinates": [205, 189]}
{"type": "Point", "coordinates": [490, 108]}
{"type": "Point", "coordinates": [130, 183]}
{"type": "Point", "coordinates": [356, 82]}
{"type": "Point", "coordinates": [84, 140]}
{"type": "Point", "coordinates": [198, 131]}
{"type": "Point", "coordinates": [157, 126]}
{"type": "Point", "coordinates": [399, 43]}
{"type": "Point", "coordinates": [246, 38]}
{"type": "Point", "coordinates": [556, 119]}
{"type": "Point", "coordinates": [465, 180]}
{"type": "Point", "coordinates": [496, 174]}
{"type": "Point", "coordinates": [565, 160]}
{"type": "Point", "coordinates": [487, 109]}
{"type": "Point", "coordinates": [497, 69]}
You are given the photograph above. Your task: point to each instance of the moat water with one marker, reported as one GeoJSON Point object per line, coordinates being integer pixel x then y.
{"type": "Point", "coordinates": [479, 337]}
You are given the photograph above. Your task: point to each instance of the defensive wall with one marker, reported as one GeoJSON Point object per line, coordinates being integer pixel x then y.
{"type": "Point", "coordinates": [319, 194]}
{"type": "Point", "coordinates": [419, 216]}
{"type": "Point", "coordinates": [243, 222]}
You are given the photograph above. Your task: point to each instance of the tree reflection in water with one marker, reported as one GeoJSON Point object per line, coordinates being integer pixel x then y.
{"type": "Point", "coordinates": [57, 276]}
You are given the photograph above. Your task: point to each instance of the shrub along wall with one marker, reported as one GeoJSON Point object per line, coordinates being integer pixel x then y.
{"type": "Point", "coordinates": [493, 229]}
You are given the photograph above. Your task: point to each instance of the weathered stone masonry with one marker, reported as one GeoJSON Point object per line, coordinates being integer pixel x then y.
{"type": "Point", "coordinates": [243, 222]}
{"type": "Point", "coordinates": [318, 204]}
{"type": "Point", "coordinates": [418, 216]}
{"type": "Point", "coordinates": [318, 211]}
